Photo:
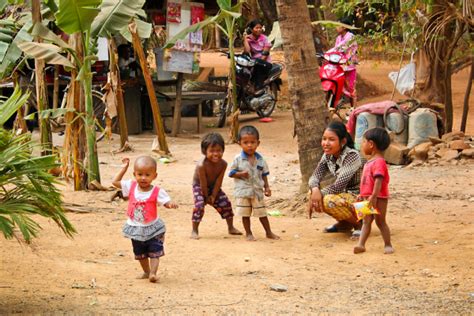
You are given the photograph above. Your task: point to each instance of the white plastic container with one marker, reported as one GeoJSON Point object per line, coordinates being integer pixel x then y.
{"type": "Point", "coordinates": [398, 124]}
{"type": "Point", "coordinates": [364, 122]}
{"type": "Point", "coordinates": [421, 126]}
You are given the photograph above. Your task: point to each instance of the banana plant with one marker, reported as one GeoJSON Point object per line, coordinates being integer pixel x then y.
{"type": "Point", "coordinates": [229, 15]}
{"type": "Point", "coordinates": [90, 19]}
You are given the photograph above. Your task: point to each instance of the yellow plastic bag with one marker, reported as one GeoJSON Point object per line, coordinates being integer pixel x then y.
{"type": "Point", "coordinates": [363, 209]}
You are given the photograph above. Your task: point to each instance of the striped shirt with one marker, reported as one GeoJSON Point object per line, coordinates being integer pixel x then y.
{"type": "Point", "coordinates": [347, 169]}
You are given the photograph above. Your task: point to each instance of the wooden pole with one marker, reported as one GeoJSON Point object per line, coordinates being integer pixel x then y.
{"type": "Point", "coordinates": [137, 46]}
{"type": "Point", "coordinates": [118, 91]}
{"type": "Point", "coordinates": [41, 95]}
{"type": "Point", "coordinates": [56, 87]}
{"type": "Point", "coordinates": [177, 106]}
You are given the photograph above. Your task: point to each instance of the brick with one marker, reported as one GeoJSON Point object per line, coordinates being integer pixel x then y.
{"type": "Point", "coordinates": [468, 153]}
{"type": "Point", "coordinates": [420, 152]}
{"type": "Point", "coordinates": [395, 154]}
{"type": "Point", "coordinates": [452, 136]}
{"type": "Point", "coordinates": [458, 145]}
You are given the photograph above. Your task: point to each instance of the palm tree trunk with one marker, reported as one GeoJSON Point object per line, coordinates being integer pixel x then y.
{"type": "Point", "coordinates": [307, 99]}
{"type": "Point", "coordinates": [41, 94]}
{"type": "Point", "coordinates": [234, 124]}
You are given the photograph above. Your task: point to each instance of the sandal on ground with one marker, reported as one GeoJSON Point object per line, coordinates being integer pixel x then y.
{"type": "Point", "coordinates": [331, 229]}
{"type": "Point", "coordinates": [355, 233]}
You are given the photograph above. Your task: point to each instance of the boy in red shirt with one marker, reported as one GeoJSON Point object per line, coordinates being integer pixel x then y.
{"type": "Point", "coordinates": [374, 186]}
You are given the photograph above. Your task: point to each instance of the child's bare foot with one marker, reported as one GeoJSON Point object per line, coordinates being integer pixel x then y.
{"type": "Point", "coordinates": [194, 235]}
{"type": "Point", "coordinates": [153, 278]}
{"type": "Point", "coordinates": [143, 276]}
{"type": "Point", "coordinates": [273, 236]}
{"type": "Point", "coordinates": [250, 237]}
{"type": "Point", "coordinates": [388, 250]}
{"type": "Point", "coordinates": [234, 231]}
{"type": "Point", "coordinates": [359, 249]}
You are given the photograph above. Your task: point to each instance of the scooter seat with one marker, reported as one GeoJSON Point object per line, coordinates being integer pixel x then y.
{"type": "Point", "coordinates": [276, 68]}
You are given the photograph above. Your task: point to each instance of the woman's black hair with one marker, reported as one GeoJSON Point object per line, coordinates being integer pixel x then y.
{"type": "Point", "coordinates": [254, 23]}
{"type": "Point", "coordinates": [379, 137]}
{"type": "Point", "coordinates": [341, 132]}
{"type": "Point", "coordinates": [248, 130]}
{"type": "Point", "coordinates": [212, 139]}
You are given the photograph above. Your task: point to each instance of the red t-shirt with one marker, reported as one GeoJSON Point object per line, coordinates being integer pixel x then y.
{"type": "Point", "coordinates": [373, 169]}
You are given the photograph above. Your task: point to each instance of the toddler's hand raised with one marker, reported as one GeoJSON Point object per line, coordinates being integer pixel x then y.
{"type": "Point", "coordinates": [126, 161]}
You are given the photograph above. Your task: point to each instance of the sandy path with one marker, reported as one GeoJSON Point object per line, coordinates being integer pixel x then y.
{"type": "Point", "coordinates": [430, 214]}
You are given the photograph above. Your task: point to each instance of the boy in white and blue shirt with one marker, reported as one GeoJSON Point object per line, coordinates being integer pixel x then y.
{"type": "Point", "coordinates": [250, 172]}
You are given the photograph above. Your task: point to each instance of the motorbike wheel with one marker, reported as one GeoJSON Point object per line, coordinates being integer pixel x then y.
{"type": "Point", "coordinates": [222, 110]}
{"type": "Point", "coordinates": [329, 99]}
{"type": "Point", "coordinates": [273, 91]}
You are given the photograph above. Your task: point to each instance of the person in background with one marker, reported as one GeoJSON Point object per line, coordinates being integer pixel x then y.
{"type": "Point", "coordinates": [258, 47]}
{"type": "Point", "coordinates": [346, 43]}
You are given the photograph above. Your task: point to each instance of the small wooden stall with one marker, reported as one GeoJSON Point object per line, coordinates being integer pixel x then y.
{"type": "Point", "coordinates": [172, 67]}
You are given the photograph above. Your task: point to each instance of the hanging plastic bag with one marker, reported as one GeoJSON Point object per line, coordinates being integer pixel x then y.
{"type": "Point", "coordinates": [363, 209]}
{"type": "Point", "coordinates": [406, 77]}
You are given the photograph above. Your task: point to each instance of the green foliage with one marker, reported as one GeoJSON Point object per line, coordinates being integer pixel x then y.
{"type": "Point", "coordinates": [76, 15]}
{"type": "Point", "coordinates": [26, 187]}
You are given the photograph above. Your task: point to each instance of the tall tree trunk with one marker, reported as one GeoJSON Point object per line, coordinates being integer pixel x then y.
{"type": "Point", "coordinates": [74, 148]}
{"type": "Point", "coordinates": [118, 92]}
{"type": "Point", "coordinates": [269, 10]}
{"type": "Point", "coordinates": [41, 93]}
{"type": "Point", "coordinates": [306, 95]}
{"type": "Point", "coordinates": [93, 172]}
{"type": "Point", "coordinates": [465, 108]}
{"type": "Point", "coordinates": [250, 10]}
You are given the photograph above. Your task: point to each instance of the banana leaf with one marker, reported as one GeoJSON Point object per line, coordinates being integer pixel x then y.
{"type": "Point", "coordinates": [114, 16]}
{"type": "Point", "coordinates": [143, 30]}
{"type": "Point", "coordinates": [12, 104]}
{"type": "Point", "coordinates": [329, 23]}
{"type": "Point", "coordinates": [13, 53]}
{"type": "Point", "coordinates": [48, 52]}
{"type": "Point", "coordinates": [76, 15]}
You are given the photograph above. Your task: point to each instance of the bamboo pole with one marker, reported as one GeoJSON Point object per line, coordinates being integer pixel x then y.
{"type": "Point", "coordinates": [118, 91]}
{"type": "Point", "coordinates": [42, 99]}
{"type": "Point", "coordinates": [177, 106]}
{"type": "Point", "coordinates": [137, 46]}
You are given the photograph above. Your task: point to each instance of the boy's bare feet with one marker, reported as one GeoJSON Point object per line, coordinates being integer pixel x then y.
{"type": "Point", "coordinates": [153, 278]}
{"type": "Point", "coordinates": [359, 249]}
{"type": "Point", "coordinates": [388, 250]}
{"type": "Point", "coordinates": [194, 235]}
{"type": "Point", "coordinates": [250, 237]}
{"type": "Point", "coordinates": [273, 236]}
{"type": "Point", "coordinates": [143, 276]}
{"type": "Point", "coordinates": [234, 231]}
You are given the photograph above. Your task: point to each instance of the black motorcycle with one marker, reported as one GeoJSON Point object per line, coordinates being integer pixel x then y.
{"type": "Point", "coordinates": [258, 83]}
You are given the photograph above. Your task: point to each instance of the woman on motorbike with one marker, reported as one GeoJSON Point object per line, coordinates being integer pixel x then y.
{"type": "Point", "coordinates": [258, 47]}
{"type": "Point", "coordinates": [255, 43]}
{"type": "Point", "coordinates": [346, 43]}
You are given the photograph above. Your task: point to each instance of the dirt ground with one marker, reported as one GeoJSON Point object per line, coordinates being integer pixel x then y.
{"type": "Point", "coordinates": [430, 214]}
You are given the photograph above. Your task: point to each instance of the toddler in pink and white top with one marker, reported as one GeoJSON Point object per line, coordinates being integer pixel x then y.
{"type": "Point", "coordinates": [374, 186]}
{"type": "Point", "coordinates": [144, 227]}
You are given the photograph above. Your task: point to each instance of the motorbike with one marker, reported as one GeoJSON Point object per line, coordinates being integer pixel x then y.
{"type": "Point", "coordinates": [333, 78]}
{"type": "Point", "coordinates": [260, 99]}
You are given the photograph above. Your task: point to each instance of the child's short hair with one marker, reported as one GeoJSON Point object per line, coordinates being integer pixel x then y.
{"type": "Point", "coordinates": [248, 130]}
{"type": "Point", "coordinates": [145, 162]}
{"type": "Point", "coordinates": [212, 139]}
{"type": "Point", "coordinates": [379, 136]}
